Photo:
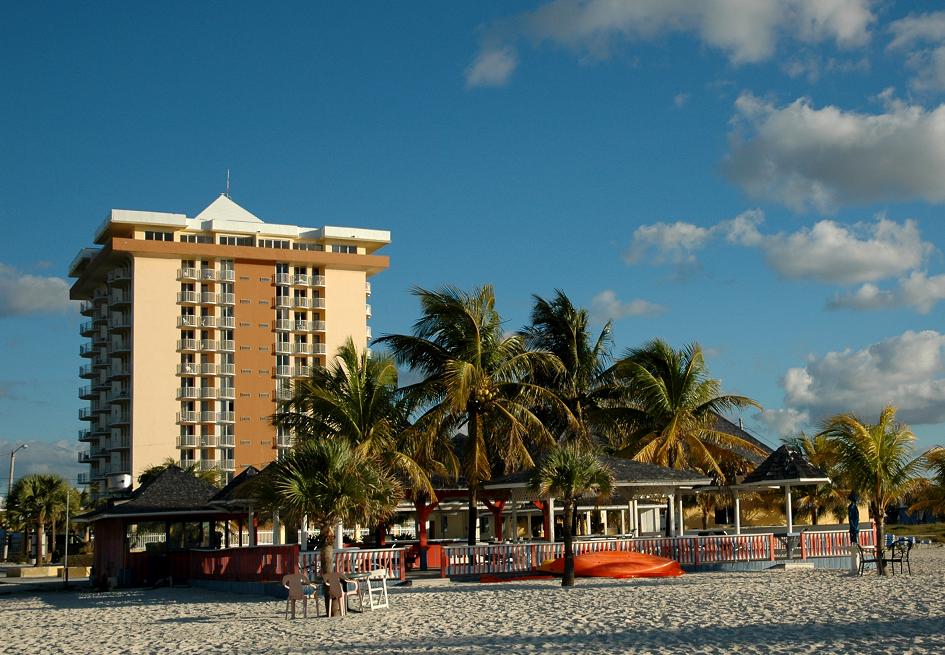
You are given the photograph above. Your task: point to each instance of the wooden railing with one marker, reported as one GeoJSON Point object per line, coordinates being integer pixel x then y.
{"type": "Point", "coordinates": [832, 543]}
{"type": "Point", "coordinates": [256, 564]}
{"type": "Point", "coordinates": [359, 560]}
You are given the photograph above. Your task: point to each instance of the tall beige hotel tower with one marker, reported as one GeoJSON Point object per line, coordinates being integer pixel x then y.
{"type": "Point", "coordinates": [197, 327]}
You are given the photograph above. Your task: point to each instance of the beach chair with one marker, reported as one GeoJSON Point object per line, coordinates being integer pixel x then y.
{"type": "Point", "coordinates": [337, 591]}
{"type": "Point", "coordinates": [375, 585]}
{"type": "Point", "coordinates": [866, 557]}
{"type": "Point", "coordinates": [299, 588]}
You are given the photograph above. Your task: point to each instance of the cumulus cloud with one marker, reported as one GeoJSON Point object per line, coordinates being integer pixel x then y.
{"type": "Point", "coordinates": [922, 38]}
{"type": "Point", "coordinates": [918, 291]}
{"type": "Point", "coordinates": [784, 422]}
{"type": "Point", "coordinates": [42, 456]}
{"type": "Point", "coordinates": [747, 31]}
{"type": "Point", "coordinates": [809, 158]}
{"type": "Point", "coordinates": [828, 251]}
{"type": "Point", "coordinates": [22, 293]}
{"type": "Point", "coordinates": [907, 371]}
{"type": "Point", "coordinates": [491, 67]}
{"type": "Point", "coordinates": [606, 306]}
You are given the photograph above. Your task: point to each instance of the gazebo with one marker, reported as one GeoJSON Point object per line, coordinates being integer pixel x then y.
{"type": "Point", "coordinates": [631, 479]}
{"type": "Point", "coordinates": [787, 467]}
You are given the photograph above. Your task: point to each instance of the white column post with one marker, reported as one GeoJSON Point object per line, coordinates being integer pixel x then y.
{"type": "Point", "coordinates": [304, 536]}
{"type": "Point", "coordinates": [634, 518]}
{"type": "Point", "coordinates": [788, 508]}
{"type": "Point", "coordinates": [587, 523]}
{"type": "Point", "coordinates": [623, 521]}
{"type": "Point", "coordinates": [514, 522]}
{"type": "Point", "coordinates": [738, 514]}
{"type": "Point", "coordinates": [682, 518]}
{"type": "Point", "coordinates": [603, 520]}
{"type": "Point", "coordinates": [339, 536]}
{"type": "Point", "coordinates": [671, 517]}
{"type": "Point", "coordinates": [550, 537]}
{"type": "Point", "coordinates": [249, 526]}
{"type": "Point", "coordinates": [276, 529]}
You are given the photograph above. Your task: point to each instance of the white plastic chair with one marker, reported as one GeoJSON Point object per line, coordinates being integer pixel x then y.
{"type": "Point", "coordinates": [376, 586]}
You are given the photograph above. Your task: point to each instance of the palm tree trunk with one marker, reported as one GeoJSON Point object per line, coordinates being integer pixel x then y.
{"type": "Point", "coordinates": [472, 479]}
{"type": "Point", "coordinates": [880, 515]}
{"type": "Point", "coordinates": [567, 579]}
{"type": "Point", "coordinates": [40, 528]}
{"type": "Point", "coordinates": [327, 551]}
{"type": "Point", "coordinates": [52, 538]}
{"type": "Point", "coordinates": [473, 516]}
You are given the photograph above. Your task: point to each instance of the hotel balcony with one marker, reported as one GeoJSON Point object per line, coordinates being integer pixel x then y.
{"type": "Point", "coordinates": [188, 321]}
{"type": "Point", "coordinates": [117, 275]}
{"type": "Point", "coordinates": [86, 393]}
{"type": "Point", "coordinates": [120, 346]}
{"type": "Point", "coordinates": [301, 302]}
{"type": "Point", "coordinates": [119, 443]}
{"type": "Point", "coordinates": [188, 274]}
{"type": "Point", "coordinates": [86, 329]}
{"type": "Point", "coordinates": [100, 316]}
{"type": "Point", "coordinates": [188, 393]}
{"type": "Point", "coordinates": [86, 308]}
{"type": "Point", "coordinates": [121, 395]}
{"type": "Point", "coordinates": [86, 435]}
{"type": "Point", "coordinates": [190, 417]}
{"type": "Point", "coordinates": [97, 452]}
{"type": "Point", "coordinates": [86, 350]}
{"type": "Point", "coordinates": [85, 414]}
{"type": "Point", "coordinates": [188, 298]}
{"type": "Point", "coordinates": [367, 289]}
{"type": "Point", "coordinates": [120, 371]}
{"type": "Point", "coordinates": [119, 297]}
{"type": "Point", "coordinates": [119, 321]}
{"type": "Point", "coordinates": [227, 393]}
{"type": "Point", "coordinates": [83, 478]}
{"type": "Point", "coordinates": [84, 457]}
{"type": "Point", "coordinates": [85, 371]}
{"type": "Point", "coordinates": [284, 394]}
{"type": "Point", "coordinates": [101, 361]}
{"type": "Point", "coordinates": [226, 298]}
{"type": "Point", "coordinates": [204, 275]}
{"type": "Point", "coordinates": [293, 371]}
{"type": "Point", "coordinates": [367, 311]}
{"type": "Point", "coordinates": [188, 345]}
{"type": "Point", "coordinates": [283, 441]}
{"type": "Point", "coordinates": [100, 295]}
{"type": "Point", "coordinates": [121, 418]}
{"type": "Point", "coordinates": [368, 332]}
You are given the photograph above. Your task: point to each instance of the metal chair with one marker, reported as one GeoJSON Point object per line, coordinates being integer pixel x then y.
{"type": "Point", "coordinates": [864, 560]}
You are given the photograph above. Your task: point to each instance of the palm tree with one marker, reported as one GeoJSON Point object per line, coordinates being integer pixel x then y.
{"type": "Point", "coordinates": [568, 472]}
{"type": "Point", "coordinates": [356, 399]}
{"type": "Point", "coordinates": [673, 405]}
{"type": "Point", "coordinates": [331, 483]}
{"type": "Point", "coordinates": [479, 379]}
{"type": "Point", "coordinates": [35, 498]}
{"type": "Point", "coordinates": [877, 461]}
{"type": "Point", "coordinates": [584, 383]}
{"type": "Point", "coordinates": [929, 494]}
{"type": "Point", "coordinates": [826, 498]}
{"type": "Point", "coordinates": [213, 476]}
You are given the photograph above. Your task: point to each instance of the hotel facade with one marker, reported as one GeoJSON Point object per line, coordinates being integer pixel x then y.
{"type": "Point", "coordinates": [197, 327]}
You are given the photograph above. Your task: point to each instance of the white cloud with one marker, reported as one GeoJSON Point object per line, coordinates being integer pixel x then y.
{"type": "Point", "coordinates": [919, 291]}
{"type": "Point", "coordinates": [676, 242]}
{"type": "Point", "coordinates": [828, 251]}
{"type": "Point", "coordinates": [606, 306]}
{"type": "Point", "coordinates": [784, 422]}
{"type": "Point", "coordinates": [922, 38]}
{"type": "Point", "coordinates": [907, 371]}
{"type": "Point", "coordinates": [491, 67]}
{"type": "Point", "coordinates": [22, 293]}
{"type": "Point", "coordinates": [747, 31]}
{"type": "Point", "coordinates": [680, 100]}
{"type": "Point", "coordinates": [43, 456]}
{"type": "Point", "coordinates": [806, 157]}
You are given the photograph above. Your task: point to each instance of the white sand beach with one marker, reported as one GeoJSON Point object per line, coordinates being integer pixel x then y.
{"type": "Point", "coordinates": [765, 612]}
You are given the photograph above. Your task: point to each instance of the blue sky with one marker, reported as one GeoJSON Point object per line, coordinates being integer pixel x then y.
{"type": "Point", "coordinates": [766, 179]}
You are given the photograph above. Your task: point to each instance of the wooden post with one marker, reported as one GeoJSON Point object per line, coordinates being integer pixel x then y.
{"type": "Point", "coordinates": [771, 547]}
{"type": "Point", "coordinates": [496, 507]}
{"type": "Point", "coordinates": [803, 545]}
{"type": "Point", "coordinates": [738, 514]}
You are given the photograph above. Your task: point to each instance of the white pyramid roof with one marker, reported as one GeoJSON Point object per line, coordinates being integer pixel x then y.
{"type": "Point", "coordinates": [224, 209]}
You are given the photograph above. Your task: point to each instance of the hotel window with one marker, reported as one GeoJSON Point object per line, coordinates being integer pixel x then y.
{"type": "Point", "coordinates": [351, 250]}
{"type": "Point", "coordinates": [196, 238]}
{"type": "Point", "coordinates": [307, 246]}
{"type": "Point", "coordinates": [273, 243]}
{"type": "Point", "coordinates": [150, 235]}
{"type": "Point", "coordinates": [236, 241]}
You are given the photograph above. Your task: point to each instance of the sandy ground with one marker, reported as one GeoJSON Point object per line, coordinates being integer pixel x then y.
{"type": "Point", "coordinates": [765, 612]}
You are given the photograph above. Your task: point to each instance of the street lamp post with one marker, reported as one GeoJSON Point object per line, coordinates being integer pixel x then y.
{"type": "Point", "coordinates": [6, 542]}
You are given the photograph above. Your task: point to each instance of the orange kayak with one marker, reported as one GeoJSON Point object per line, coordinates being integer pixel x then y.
{"type": "Point", "coordinates": [617, 564]}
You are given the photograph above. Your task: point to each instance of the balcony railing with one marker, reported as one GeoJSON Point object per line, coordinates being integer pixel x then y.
{"type": "Point", "coordinates": [188, 297]}
{"type": "Point", "coordinates": [119, 321]}
{"type": "Point", "coordinates": [85, 435]}
{"type": "Point", "coordinates": [83, 478]}
{"type": "Point", "coordinates": [283, 279]}
{"type": "Point", "coordinates": [209, 298]}
{"type": "Point", "coordinates": [227, 393]}
{"type": "Point", "coordinates": [309, 326]}
{"type": "Point", "coordinates": [122, 394]}
{"type": "Point", "coordinates": [85, 414]}
{"type": "Point", "coordinates": [293, 371]}
{"type": "Point", "coordinates": [368, 332]}
{"type": "Point", "coordinates": [208, 345]}
{"type": "Point", "coordinates": [302, 302]}
{"type": "Point", "coordinates": [188, 441]}
{"type": "Point", "coordinates": [283, 301]}
{"type": "Point", "coordinates": [189, 417]}
{"type": "Point", "coordinates": [318, 281]}
{"type": "Point", "coordinates": [119, 298]}
{"type": "Point", "coordinates": [188, 392]}
{"type": "Point", "coordinates": [209, 275]}
{"type": "Point", "coordinates": [120, 345]}
{"type": "Point", "coordinates": [188, 274]}
{"type": "Point", "coordinates": [188, 321]}
{"type": "Point", "coordinates": [208, 392]}
{"type": "Point", "coordinates": [367, 288]}
{"type": "Point", "coordinates": [121, 274]}
{"type": "Point", "coordinates": [284, 441]}
{"type": "Point", "coordinates": [301, 280]}
{"type": "Point", "coordinates": [86, 308]}
{"type": "Point", "coordinates": [187, 344]}
{"type": "Point", "coordinates": [84, 457]}
{"type": "Point", "coordinates": [226, 298]}
{"type": "Point", "coordinates": [86, 329]}
{"type": "Point", "coordinates": [86, 393]}
{"type": "Point", "coordinates": [121, 418]}
{"type": "Point", "coordinates": [85, 371]}
{"type": "Point", "coordinates": [120, 371]}
{"type": "Point", "coordinates": [367, 311]}
{"type": "Point", "coordinates": [227, 345]}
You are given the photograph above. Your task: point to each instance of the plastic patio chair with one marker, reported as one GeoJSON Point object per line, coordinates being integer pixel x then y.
{"type": "Point", "coordinates": [338, 592]}
{"type": "Point", "coordinates": [299, 589]}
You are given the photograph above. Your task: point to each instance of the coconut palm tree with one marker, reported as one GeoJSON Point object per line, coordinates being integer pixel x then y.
{"type": "Point", "coordinates": [330, 482]}
{"type": "Point", "coordinates": [584, 383]}
{"type": "Point", "coordinates": [356, 399]}
{"type": "Point", "coordinates": [929, 493]}
{"type": "Point", "coordinates": [877, 461]}
{"type": "Point", "coordinates": [568, 472]}
{"type": "Point", "coordinates": [817, 501]}
{"type": "Point", "coordinates": [213, 476]}
{"type": "Point", "coordinates": [35, 498]}
{"type": "Point", "coordinates": [477, 379]}
{"type": "Point", "coordinates": [670, 419]}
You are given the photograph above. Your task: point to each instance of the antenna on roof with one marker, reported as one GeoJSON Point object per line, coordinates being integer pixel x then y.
{"type": "Point", "coordinates": [227, 193]}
